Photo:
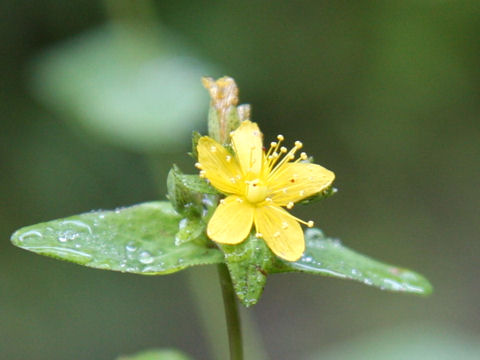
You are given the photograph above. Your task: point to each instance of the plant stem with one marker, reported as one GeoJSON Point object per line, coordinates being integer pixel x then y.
{"type": "Point", "coordinates": [231, 314]}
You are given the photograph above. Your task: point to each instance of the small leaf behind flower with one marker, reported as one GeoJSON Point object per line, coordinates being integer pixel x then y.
{"type": "Point", "coordinates": [328, 257]}
{"type": "Point", "coordinates": [139, 239]}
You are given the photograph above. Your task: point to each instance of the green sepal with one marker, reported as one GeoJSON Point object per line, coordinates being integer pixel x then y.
{"type": "Point", "coordinates": [330, 191]}
{"type": "Point", "coordinates": [139, 239]}
{"type": "Point", "coordinates": [248, 263]}
{"type": "Point", "coordinates": [328, 257]}
{"type": "Point", "coordinates": [160, 354]}
{"type": "Point", "coordinates": [190, 195]}
{"type": "Point", "coordinates": [220, 124]}
{"type": "Point", "coordinates": [195, 137]}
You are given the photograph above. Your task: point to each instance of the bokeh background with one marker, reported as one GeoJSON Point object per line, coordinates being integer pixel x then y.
{"type": "Point", "coordinates": [97, 99]}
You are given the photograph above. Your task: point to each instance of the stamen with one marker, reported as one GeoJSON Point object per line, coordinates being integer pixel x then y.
{"type": "Point", "coordinates": [288, 157]}
{"type": "Point", "coordinates": [222, 201]}
{"type": "Point", "coordinates": [290, 205]}
{"type": "Point", "coordinates": [202, 173]}
{"type": "Point", "coordinates": [258, 235]}
{"type": "Point", "coordinates": [274, 146]}
{"type": "Point", "coordinates": [283, 149]}
{"type": "Point", "coordinates": [276, 234]}
{"type": "Point", "coordinates": [198, 165]}
{"type": "Point", "coordinates": [301, 192]}
{"type": "Point", "coordinates": [284, 225]}
{"type": "Point", "coordinates": [308, 223]}
{"type": "Point", "coordinates": [228, 158]}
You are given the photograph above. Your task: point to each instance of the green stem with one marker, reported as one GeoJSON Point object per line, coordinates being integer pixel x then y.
{"type": "Point", "coordinates": [231, 314]}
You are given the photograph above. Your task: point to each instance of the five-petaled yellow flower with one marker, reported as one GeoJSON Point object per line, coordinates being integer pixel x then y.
{"type": "Point", "coordinates": [259, 185]}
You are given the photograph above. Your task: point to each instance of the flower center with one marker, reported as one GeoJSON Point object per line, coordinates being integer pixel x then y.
{"type": "Point", "coordinates": [256, 192]}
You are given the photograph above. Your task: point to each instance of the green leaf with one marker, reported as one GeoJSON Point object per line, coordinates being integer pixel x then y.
{"type": "Point", "coordinates": [139, 239]}
{"type": "Point", "coordinates": [325, 256]}
{"type": "Point", "coordinates": [248, 264]}
{"type": "Point", "coordinates": [166, 354]}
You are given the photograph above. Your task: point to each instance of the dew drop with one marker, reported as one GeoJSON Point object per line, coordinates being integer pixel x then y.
{"type": "Point", "coordinates": [145, 257]}
{"type": "Point", "coordinates": [131, 247]}
{"type": "Point", "coordinates": [182, 223]}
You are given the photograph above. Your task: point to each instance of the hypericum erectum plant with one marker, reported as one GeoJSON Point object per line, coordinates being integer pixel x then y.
{"type": "Point", "coordinates": [233, 213]}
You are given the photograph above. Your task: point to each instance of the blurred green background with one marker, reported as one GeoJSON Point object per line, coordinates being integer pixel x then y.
{"type": "Point", "coordinates": [97, 99]}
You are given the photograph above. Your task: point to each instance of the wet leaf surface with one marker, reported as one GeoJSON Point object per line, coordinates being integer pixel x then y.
{"type": "Point", "coordinates": [328, 257]}
{"type": "Point", "coordinates": [139, 239]}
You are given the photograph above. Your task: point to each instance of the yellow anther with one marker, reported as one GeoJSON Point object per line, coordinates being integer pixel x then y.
{"type": "Point", "coordinates": [290, 205]}
{"type": "Point", "coordinates": [310, 223]}
{"type": "Point", "coordinates": [298, 144]}
{"type": "Point", "coordinates": [303, 156]}
{"type": "Point", "coordinates": [283, 149]}
{"type": "Point", "coordinates": [280, 137]}
{"type": "Point", "coordinates": [258, 235]}
{"type": "Point", "coordinates": [198, 165]}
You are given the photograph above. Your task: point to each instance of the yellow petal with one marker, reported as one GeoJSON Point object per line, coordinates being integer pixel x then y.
{"type": "Point", "coordinates": [296, 181]}
{"type": "Point", "coordinates": [220, 167]}
{"type": "Point", "coordinates": [282, 233]}
{"type": "Point", "coordinates": [247, 142]}
{"type": "Point", "coordinates": [232, 221]}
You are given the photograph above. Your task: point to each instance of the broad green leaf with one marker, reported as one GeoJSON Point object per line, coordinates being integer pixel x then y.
{"type": "Point", "coordinates": [248, 264]}
{"type": "Point", "coordinates": [166, 354]}
{"type": "Point", "coordinates": [325, 256]}
{"type": "Point", "coordinates": [138, 239]}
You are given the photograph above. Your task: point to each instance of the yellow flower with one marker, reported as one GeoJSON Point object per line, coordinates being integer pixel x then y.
{"type": "Point", "coordinates": [259, 185]}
